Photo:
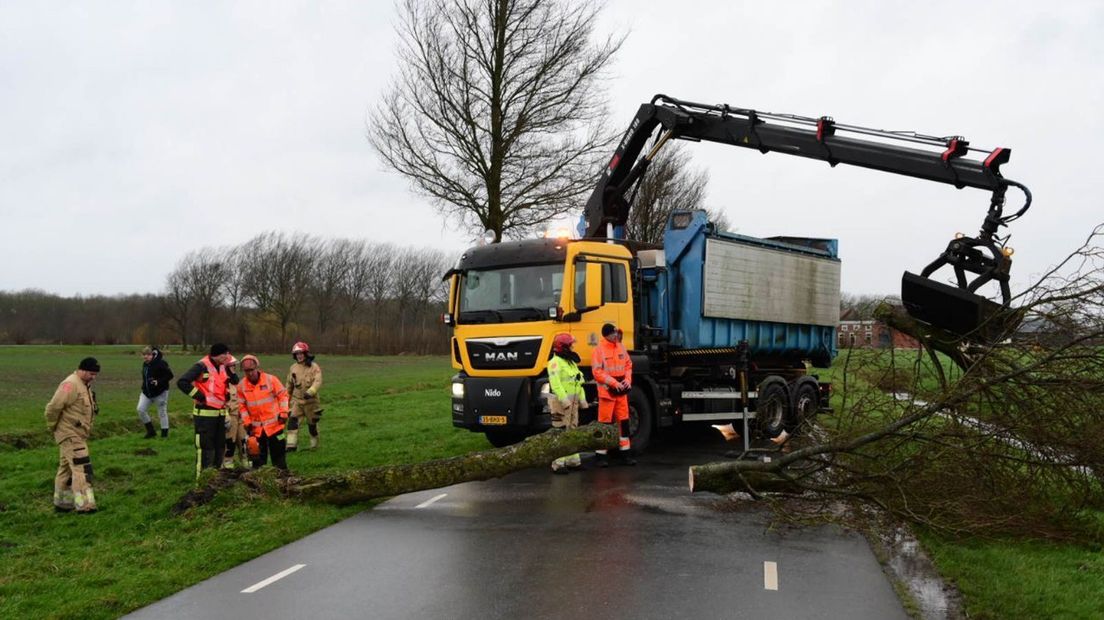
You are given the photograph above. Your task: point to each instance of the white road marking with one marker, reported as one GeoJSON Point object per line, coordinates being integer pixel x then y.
{"type": "Point", "coordinates": [278, 576]}
{"type": "Point", "coordinates": [770, 575]}
{"type": "Point", "coordinates": [431, 500]}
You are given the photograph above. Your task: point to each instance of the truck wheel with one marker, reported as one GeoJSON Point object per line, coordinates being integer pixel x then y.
{"type": "Point", "coordinates": [640, 420]}
{"type": "Point", "coordinates": [501, 439]}
{"type": "Point", "coordinates": [772, 409]}
{"type": "Point", "coordinates": [806, 403]}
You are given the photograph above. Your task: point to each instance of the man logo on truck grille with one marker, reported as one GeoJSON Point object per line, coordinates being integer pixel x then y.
{"type": "Point", "coordinates": [492, 392]}
{"type": "Point", "coordinates": [501, 356]}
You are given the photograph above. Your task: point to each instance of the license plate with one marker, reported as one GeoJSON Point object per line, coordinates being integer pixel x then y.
{"type": "Point", "coordinates": [491, 420]}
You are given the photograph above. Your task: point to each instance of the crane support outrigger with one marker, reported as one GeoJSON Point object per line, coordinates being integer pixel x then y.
{"type": "Point", "coordinates": [957, 309]}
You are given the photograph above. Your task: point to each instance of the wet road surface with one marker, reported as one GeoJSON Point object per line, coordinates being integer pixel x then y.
{"type": "Point", "coordinates": [624, 542]}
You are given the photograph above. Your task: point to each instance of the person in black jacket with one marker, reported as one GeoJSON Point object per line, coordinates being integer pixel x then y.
{"type": "Point", "coordinates": [156, 378]}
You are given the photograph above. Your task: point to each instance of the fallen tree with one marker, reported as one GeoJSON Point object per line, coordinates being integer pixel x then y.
{"type": "Point", "coordinates": [1006, 439]}
{"type": "Point", "coordinates": [342, 488]}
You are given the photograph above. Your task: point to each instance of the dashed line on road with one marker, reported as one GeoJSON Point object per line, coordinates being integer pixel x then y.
{"type": "Point", "coordinates": [431, 500]}
{"type": "Point", "coordinates": [278, 576]}
{"type": "Point", "coordinates": [770, 575]}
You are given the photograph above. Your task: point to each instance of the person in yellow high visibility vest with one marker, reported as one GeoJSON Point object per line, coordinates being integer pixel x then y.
{"type": "Point", "coordinates": [567, 396]}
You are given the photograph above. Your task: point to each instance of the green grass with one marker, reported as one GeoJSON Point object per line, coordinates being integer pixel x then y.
{"type": "Point", "coordinates": [132, 552]}
{"type": "Point", "coordinates": [1016, 579]}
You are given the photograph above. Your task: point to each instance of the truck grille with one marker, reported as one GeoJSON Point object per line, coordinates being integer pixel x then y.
{"type": "Point", "coordinates": [509, 353]}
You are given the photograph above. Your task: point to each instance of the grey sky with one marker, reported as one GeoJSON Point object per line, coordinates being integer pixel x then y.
{"type": "Point", "coordinates": [131, 133]}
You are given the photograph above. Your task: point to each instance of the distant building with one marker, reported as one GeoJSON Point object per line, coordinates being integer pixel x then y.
{"type": "Point", "coordinates": [870, 334]}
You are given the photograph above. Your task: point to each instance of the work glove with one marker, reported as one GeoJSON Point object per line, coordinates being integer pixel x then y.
{"type": "Point", "coordinates": [308, 395]}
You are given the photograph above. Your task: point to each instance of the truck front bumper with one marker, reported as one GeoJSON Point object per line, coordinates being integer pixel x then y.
{"type": "Point", "coordinates": [484, 404]}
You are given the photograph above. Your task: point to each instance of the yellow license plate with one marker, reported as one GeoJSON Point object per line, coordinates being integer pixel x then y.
{"type": "Point", "coordinates": [492, 419]}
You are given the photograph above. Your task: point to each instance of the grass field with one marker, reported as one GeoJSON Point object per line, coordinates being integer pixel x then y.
{"type": "Point", "coordinates": [132, 552]}
{"type": "Point", "coordinates": [378, 410]}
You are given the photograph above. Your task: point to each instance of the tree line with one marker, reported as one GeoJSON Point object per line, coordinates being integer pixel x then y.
{"type": "Point", "coordinates": [340, 295]}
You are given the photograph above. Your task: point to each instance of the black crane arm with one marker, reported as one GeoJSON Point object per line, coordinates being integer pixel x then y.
{"type": "Point", "coordinates": [813, 138]}
{"type": "Point", "coordinates": [958, 309]}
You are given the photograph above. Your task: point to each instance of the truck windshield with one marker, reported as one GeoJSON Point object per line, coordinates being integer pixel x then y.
{"type": "Point", "coordinates": [510, 294]}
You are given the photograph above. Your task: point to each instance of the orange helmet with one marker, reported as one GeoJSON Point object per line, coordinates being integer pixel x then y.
{"type": "Point", "coordinates": [562, 342]}
{"type": "Point", "coordinates": [300, 347]}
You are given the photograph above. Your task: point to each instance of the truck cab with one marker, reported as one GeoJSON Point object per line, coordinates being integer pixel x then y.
{"type": "Point", "coordinates": [506, 303]}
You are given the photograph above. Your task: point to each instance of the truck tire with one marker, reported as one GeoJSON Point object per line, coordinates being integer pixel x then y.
{"type": "Point", "coordinates": [773, 408]}
{"type": "Point", "coordinates": [640, 420]}
{"type": "Point", "coordinates": [805, 405]}
{"type": "Point", "coordinates": [501, 439]}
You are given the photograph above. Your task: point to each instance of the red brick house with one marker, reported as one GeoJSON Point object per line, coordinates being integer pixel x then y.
{"type": "Point", "coordinates": [870, 334]}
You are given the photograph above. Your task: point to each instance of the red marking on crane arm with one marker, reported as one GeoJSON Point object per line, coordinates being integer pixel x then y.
{"type": "Point", "coordinates": [950, 150]}
{"type": "Point", "coordinates": [993, 155]}
{"type": "Point", "coordinates": [613, 162]}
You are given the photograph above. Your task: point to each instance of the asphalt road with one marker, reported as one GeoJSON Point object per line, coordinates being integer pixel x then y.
{"type": "Point", "coordinates": [625, 542]}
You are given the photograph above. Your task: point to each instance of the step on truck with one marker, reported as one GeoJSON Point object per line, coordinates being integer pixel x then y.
{"type": "Point", "coordinates": [721, 328]}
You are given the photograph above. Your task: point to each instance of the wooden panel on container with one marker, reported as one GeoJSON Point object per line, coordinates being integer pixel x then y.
{"type": "Point", "coordinates": [754, 283]}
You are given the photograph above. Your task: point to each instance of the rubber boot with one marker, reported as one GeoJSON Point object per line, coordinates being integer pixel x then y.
{"type": "Point", "coordinates": [602, 459]}
{"type": "Point", "coordinates": [313, 428]}
{"type": "Point", "coordinates": [292, 441]}
{"type": "Point", "coordinates": [625, 458]}
{"type": "Point", "coordinates": [150, 431]}
{"type": "Point", "coordinates": [164, 433]}
{"type": "Point", "coordinates": [314, 442]}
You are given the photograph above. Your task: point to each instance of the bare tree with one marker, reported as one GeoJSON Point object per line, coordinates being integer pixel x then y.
{"type": "Point", "coordinates": [497, 111]}
{"type": "Point", "coordinates": [206, 274]}
{"type": "Point", "coordinates": [234, 292]}
{"type": "Point", "coordinates": [670, 184]}
{"type": "Point", "coordinates": [280, 276]}
{"type": "Point", "coordinates": [330, 268]}
{"type": "Point", "coordinates": [380, 267]}
{"type": "Point", "coordinates": [177, 301]}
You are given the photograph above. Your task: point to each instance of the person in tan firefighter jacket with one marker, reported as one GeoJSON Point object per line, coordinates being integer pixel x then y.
{"type": "Point", "coordinates": [208, 383]}
{"type": "Point", "coordinates": [69, 416]}
{"type": "Point", "coordinates": [303, 382]}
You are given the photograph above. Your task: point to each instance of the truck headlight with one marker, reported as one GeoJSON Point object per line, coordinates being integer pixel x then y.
{"type": "Point", "coordinates": [458, 390]}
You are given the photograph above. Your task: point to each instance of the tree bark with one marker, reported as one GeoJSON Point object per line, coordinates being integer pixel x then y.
{"type": "Point", "coordinates": [344, 488]}
{"type": "Point", "coordinates": [722, 478]}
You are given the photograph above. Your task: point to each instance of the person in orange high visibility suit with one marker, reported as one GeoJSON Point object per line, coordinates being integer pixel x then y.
{"type": "Point", "coordinates": [612, 369]}
{"type": "Point", "coordinates": [263, 404]}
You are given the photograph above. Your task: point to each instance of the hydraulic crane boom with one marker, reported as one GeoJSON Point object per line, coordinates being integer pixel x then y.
{"type": "Point", "coordinates": [945, 161]}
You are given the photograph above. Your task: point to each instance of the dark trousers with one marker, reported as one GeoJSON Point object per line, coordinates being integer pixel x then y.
{"type": "Point", "coordinates": [210, 441]}
{"type": "Point", "coordinates": [276, 446]}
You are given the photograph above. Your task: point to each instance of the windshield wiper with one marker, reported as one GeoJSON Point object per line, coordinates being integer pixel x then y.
{"type": "Point", "coordinates": [470, 315]}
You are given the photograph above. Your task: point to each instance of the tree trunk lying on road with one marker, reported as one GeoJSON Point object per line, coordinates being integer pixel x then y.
{"type": "Point", "coordinates": [361, 485]}
{"type": "Point", "coordinates": [733, 476]}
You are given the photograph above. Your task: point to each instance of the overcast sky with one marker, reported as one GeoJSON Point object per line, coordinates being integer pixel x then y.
{"type": "Point", "coordinates": [131, 133]}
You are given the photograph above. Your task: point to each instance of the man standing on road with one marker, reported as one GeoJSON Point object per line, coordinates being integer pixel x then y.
{"type": "Point", "coordinates": [263, 404]}
{"type": "Point", "coordinates": [303, 382]}
{"type": "Point", "coordinates": [612, 370]}
{"type": "Point", "coordinates": [69, 416]}
{"type": "Point", "coordinates": [208, 383]}
{"type": "Point", "coordinates": [156, 376]}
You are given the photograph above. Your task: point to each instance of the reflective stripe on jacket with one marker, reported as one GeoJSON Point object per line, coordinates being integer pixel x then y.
{"type": "Point", "coordinates": [264, 404]}
{"type": "Point", "coordinates": [610, 363]}
{"type": "Point", "coordinates": [564, 378]}
{"type": "Point", "coordinates": [213, 384]}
